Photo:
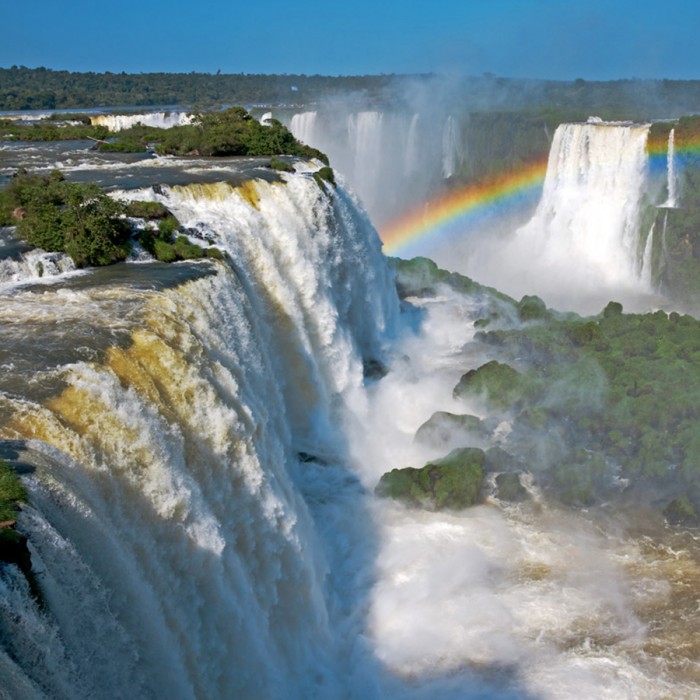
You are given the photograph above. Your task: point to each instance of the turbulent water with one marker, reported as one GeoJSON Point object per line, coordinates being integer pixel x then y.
{"type": "Point", "coordinates": [201, 442]}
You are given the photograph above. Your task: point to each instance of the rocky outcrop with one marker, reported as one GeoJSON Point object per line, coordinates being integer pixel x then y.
{"type": "Point", "coordinates": [452, 482]}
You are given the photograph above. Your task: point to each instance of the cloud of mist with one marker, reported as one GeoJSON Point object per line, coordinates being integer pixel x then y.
{"type": "Point", "coordinates": [496, 601]}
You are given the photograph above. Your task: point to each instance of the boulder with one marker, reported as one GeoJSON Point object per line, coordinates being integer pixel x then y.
{"type": "Point", "coordinates": [681, 511]}
{"type": "Point", "coordinates": [443, 426]}
{"type": "Point", "coordinates": [452, 482]}
{"type": "Point", "coordinates": [510, 488]}
{"type": "Point", "coordinates": [497, 382]}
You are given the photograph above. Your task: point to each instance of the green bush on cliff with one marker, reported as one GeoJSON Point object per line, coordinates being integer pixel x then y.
{"type": "Point", "coordinates": [12, 493]}
{"type": "Point", "coordinates": [532, 308]}
{"type": "Point", "coordinates": [421, 277]}
{"type": "Point", "coordinates": [453, 482]}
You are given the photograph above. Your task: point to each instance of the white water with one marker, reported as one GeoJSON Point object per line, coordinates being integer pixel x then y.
{"type": "Point", "coordinates": [160, 120]}
{"type": "Point", "coordinates": [672, 183]}
{"type": "Point", "coordinates": [452, 149]}
{"type": "Point", "coordinates": [647, 272]}
{"type": "Point", "coordinates": [390, 159]}
{"type": "Point", "coordinates": [174, 524]}
{"type": "Point", "coordinates": [188, 550]}
{"type": "Point", "coordinates": [583, 242]}
{"type": "Point", "coordinates": [33, 266]}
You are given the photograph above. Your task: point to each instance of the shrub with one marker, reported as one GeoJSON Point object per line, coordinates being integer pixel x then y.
{"type": "Point", "coordinates": [77, 219]}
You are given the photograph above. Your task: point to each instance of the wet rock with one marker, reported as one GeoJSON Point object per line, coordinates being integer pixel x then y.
{"type": "Point", "coordinates": [453, 482]}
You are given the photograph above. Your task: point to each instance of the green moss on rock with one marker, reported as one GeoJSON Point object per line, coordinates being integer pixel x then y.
{"type": "Point", "coordinates": [281, 165]}
{"type": "Point", "coordinates": [324, 174]}
{"type": "Point", "coordinates": [441, 426]}
{"type": "Point", "coordinates": [532, 308]}
{"type": "Point", "coordinates": [453, 482]}
{"type": "Point", "coordinates": [147, 210]}
{"type": "Point", "coordinates": [498, 382]}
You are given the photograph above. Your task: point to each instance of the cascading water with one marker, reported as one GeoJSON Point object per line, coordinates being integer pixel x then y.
{"type": "Point", "coordinates": [160, 120]}
{"type": "Point", "coordinates": [172, 518]}
{"type": "Point", "coordinates": [303, 127]}
{"type": "Point", "coordinates": [451, 148]}
{"type": "Point", "coordinates": [672, 183]}
{"type": "Point", "coordinates": [200, 446]}
{"type": "Point", "coordinates": [391, 159]}
{"type": "Point", "coordinates": [583, 242]}
{"type": "Point", "coordinates": [412, 159]}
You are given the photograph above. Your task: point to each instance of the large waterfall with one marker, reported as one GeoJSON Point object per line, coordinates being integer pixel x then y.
{"type": "Point", "coordinates": [390, 158]}
{"type": "Point", "coordinates": [186, 439]}
{"type": "Point", "coordinates": [585, 240]}
{"type": "Point", "coordinates": [201, 442]}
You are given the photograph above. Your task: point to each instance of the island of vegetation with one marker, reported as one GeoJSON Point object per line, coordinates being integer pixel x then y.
{"type": "Point", "coordinates": [84, 222]}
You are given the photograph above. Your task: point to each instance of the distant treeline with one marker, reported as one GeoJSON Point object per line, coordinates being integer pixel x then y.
{"type": "Point", "coordinates": [42, 88]}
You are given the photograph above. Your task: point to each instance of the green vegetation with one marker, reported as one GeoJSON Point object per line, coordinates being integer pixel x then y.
{"type": "Point", "coordinates": [324, 174]}
{"type": "Point", "coordinates": [13, 544]}
{"type": "Point", "coordinates": [231, 132]}
{"type": "Point", "coordinates": [283, 166]}
{"type": "Point", "coordinates": [442, 425]}
{"type": "Point", "coordinates": [453, 482]}
{"type": "Point", "coordinates": [12, 493]}
{"type": "Point", "coordinates": [42, 88]}
{"type": "Point", "coordinates": [82, 221]}
{"type": "Point", "coordinates": [499, 384]}
{"type": "Point", "coordinates": [677, 248]}
{"type": "Point", "coordinates": [44, 130]}
{"type": "Point", "coordinates": [420, 276]}
{"type": "Point", "coordinates": [596, 407]}
{"type": "Point", "coordinates": [532, 308]}
{"type": "Point", "coordinates": [77, 219]}
{"type": "Point", "coordinates": [162, 242]}
{"type": "Point", "coordinates": [148, 210]}
{"type": "Point", "coordinates": [602, 399]}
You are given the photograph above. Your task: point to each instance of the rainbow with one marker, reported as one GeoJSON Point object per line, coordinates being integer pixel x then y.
{"type": "Point", "coordinates": [460, 209]}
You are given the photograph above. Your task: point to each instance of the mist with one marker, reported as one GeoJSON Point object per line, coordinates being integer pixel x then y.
{"type": "Point", "coordinates": [578, 242]}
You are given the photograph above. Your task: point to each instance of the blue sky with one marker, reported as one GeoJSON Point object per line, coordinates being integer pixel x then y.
{"type": "Point", "coordinates": [560, 39]}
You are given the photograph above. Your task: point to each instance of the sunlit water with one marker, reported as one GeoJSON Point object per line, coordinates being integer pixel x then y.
{"type": "Point", "coordinates": [201, 450]}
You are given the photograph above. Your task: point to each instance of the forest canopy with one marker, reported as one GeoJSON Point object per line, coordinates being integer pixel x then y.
{"type": "Point", "coordinates": [23, 88]}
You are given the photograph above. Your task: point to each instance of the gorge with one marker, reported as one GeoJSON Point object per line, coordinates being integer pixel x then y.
{"type": "Point", "coordinates": [201, 441]}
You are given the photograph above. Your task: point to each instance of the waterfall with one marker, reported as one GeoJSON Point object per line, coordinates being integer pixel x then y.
{"type": "Point", "coordinates": [189, 462]}
{"type": "Point", "coordinates": [160, 120]}
{"type": "Point", "coordinates": [412, 158]}
{"type": "Point", "coordinates": [390, 159]}
{"type": "Point", "coordinates": [671, 170]}
{"type": "Point", "coordinates": [451, 148]}
{"type": "Point", "coordinates": [303, 127]}
{"type": "Point", "coordinates": [34, 265]}
{"type": "Point", "coordinates": [584, 236]}
{"type": "Point", "coordinates": [646, 273]}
